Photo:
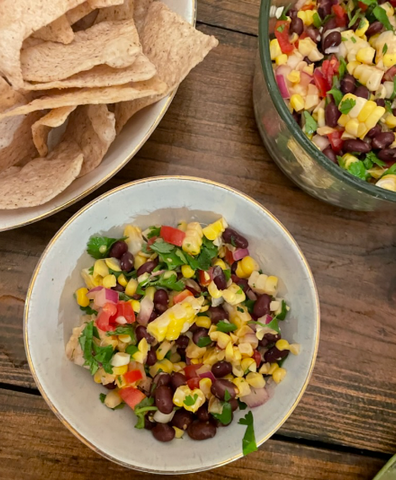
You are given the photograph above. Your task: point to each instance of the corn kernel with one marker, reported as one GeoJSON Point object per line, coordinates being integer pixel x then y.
{"type": "Point", "coordinates": [230, 377]}
{"type": "Point", "coordinates": [275, 49]}
{"type": "Point", "coordinates": [221, 338]}
{"type": "Point", "coordinates": [178, 432]}
{"type": "Point", "coordinates": [204, 322]}
{"type": "Point", "coordinates": [88, 279]}
{"type": "Point", "coordinates": [388, 182]}
{"type": "Point", "coordinates": [343, 120]}
{"type": "Point", "coordinates": [390, 121]}
{"type": "Point", "coordinates": [352, 127]}
{"type": "Point", "coordinates": [165, 365]}
{"type": "Point", "coordinates": [237, 370]}
{"type": "Point", "coordinates": [294, 76]}
{"type": "Point", "coordinates": [352, 66]}
{"type": "Point", "coordinates": [215, 229]}
{"type": "Point", "coordinates": [273, 368]}
{"type": "Point", "coordinates": [255, 380]}
{"type": "Point", "coordinates": [248, 365]}
{"type": "Point", "coordinates": [204, 308]}
{"type": "Point", "coordinates": [131, 287]}
{"type": "Point", "coordinates": [242, 386]}
{"type": "Point", "coordinates": [246, 267]}
{"type": "Point", "coordinates": [112, 399]}
{"type": "Point", "coordinates": [193, 351]}
{"type": "Point", "coordinates": [229, 352]}
{"type": "Point", "coordinates": [135, 305]}
{"type": "Point", "coordinates": [279, 375]}
{"type": "Point", "coordinates": [366, 55]}
{"type": "Point", "coordinates": [139, 261]}
{"type": "Point", "coordinates": [205, 385]}
{"type": "Point", "coordinates": [246, 349]}
{"type": "Point", "coordinates": [98, 376]}
{"type": "Point", "coordinates": [182, 226]}
{"type": "Point", "coordinates": [81, 297]}
{"type": "Point", "coordinates": [295, 348]}
{"type": "Point", "coordinates": [214, 292]}
{"type": "Point", "coordinates": [100, 269]}
{"type": "Point", "coordinates": [265, 368]}
{"type": "Point", "coordinates": [363, 27]}
{"type": "Point", "coordinates": [281, 59]}
{"type": "Point", "coordinates": [113, 264]}
{"type": "Point", "coordinates": [179, 366]}
{"type": "Point", "coordinates": [193, 240]}
{"type": "Point", "coordinates": [366, 111]}
{"type": "Point", "coordinates": [163, 349]}
{"type": "Point", "coordinates": [109, 281]}
{"type": "Point", "coordinates": [125, 338]}
{"type": "Point", "coordinates": [187, 271]}
{"type": "Point", "coordinates": [220, 263]}
{"type": "Point", "coordinates": [122, 280]}
{"type": "Point", "coordinates": [120, 370]}
{"type": "Point", "coordinates": [297, 102]}
{"type": "Point", "coordinates": [282, 345]}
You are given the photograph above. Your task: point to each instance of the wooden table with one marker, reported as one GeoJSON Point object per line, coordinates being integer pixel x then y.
{"type": "Point", "coordinates": [344, 427]}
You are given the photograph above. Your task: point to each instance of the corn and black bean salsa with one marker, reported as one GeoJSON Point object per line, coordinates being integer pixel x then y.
{"type": "Point", "coordinates": [181, 325]}
{"type": "Point", "coordinates": [335, 65]}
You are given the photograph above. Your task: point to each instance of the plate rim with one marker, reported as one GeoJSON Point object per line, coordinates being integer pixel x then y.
{"type": "Point", "coordinates": [54, 409]}
{"type": "Point", "coordinates": [126, 160]}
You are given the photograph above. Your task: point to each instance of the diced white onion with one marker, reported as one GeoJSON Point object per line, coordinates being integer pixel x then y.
{"type": "Point", "coordinates": [120, 359]}
{"type": "Point", "coordinates": [160, 417]}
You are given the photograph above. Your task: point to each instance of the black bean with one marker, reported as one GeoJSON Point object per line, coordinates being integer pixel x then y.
{"type": "Point", "coordinates": [234, 404]}
{"type": "Point", "coordinates": [161, 300]}
{"type": "Point", "coordinates": [182, 353]}
{"type": "Point", "coordinates": [221, 369]}
{"type": "Point", "coordinates": [307, 61]}
{"type": "Point", "coordinates": [362, 92]}
{"type": "Point", "coordinates": [110, 386]}
{"type": "Point", "coordinates": [387, 155]}
{"type": "Point", "coordinates": [242, 282]}
{"type": "Point", "coordinates": [151, 358]}
{"type": "Point", "coordinates": [219, 278]}
{"type": "Point", "coordinates": [356, 145]}
{"type": "Point", "coordinates": [147, 424]}
{"type": "Point", "coordinates": [126, 262]}
{"type": "Point", "coordinates": [153, 316]}
{"type": "Point", "coordinates": [297, 117]}
{"type": "Point", "coordinates": [198, 430]}
{"type": "Point", "coordinates": [380, 102]}
{"type": "Point", "coordinates": [333, 39]}
{"type": "Point", "coordinates": [163, 399]}
{"type": "Point", "coordinates": [182, 341]}
{"type": "Point", "coordinates": [331, 24]}
{"type": "Point", "coordinates": [296, 26]}
{"type": "Point", "coordinates": [274, 355]}
{"type": "Point", "coordinates": [163, 432]}
{"type": "Point", "coordinates": [383, 140]}
{"type": "Point", "coordinates": [177, 380]}
{"type": "Point", "coordinates": [141, 332]}
{"type": "Point", "coordinates": [313, 34]}
{"type": "Point", "coordinates": [217, 313]}
{"type": "Point", "coordinates": [182, 419]}
{"type": "Point", "coordinates": [118, 288]}
{"type": "Point", "coordinates": [332, 114]}
{"type": "Point", "coordinates": [161, 379]}
{"type": "Point", "coordinates": [348, 84]}
{"type": "Point", "coordinates": [330, 153]}
{"type": "Point", "coordinates": [233, 237]}
{"type": "Point", "coordinates": [374, 131]}
{"type": "Point", "coordinates": [390, 74]}
{"type": "Point", "coordinates": [202, 413]}
{"type": "Point", "coordinates": [219, 388]}
{"type": "Point", "coordinates": [270, 339]}
{"type": "Point", "coordinates": [147, 267]}
{"type": "Point", "coordinates": [324, 8]}
{"type": "Point", "coordinates": [118, 249]}
{"type": "Point", "coordinates": [200, 333]}
{"type": "Point", "coordinates": [374, 28]}
{"type": "Point", "coordinates": [262, 305]}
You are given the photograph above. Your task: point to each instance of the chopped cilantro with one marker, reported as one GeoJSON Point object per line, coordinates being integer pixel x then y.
{"type": "Point", "coordinates": [204, 342]}
{"type": "Point", "coordinates": [284, 12]}
{"type": "Point", "coordinates": [102, 397]}
{"type": "Point", "coordinates": [393, 96]}
{"type": "Point", "coordinates": [91, 270]}
{"type": "Point", "coordinates": [355, 18]}
{"type": "Point", "coordinates": [160, 246]}
{"type": "Point", "coordinates": [391, 171]}
{"type": "Point", "coordinates": [124, 330]}
{"type": "Point", "coordinates": [384, 48]}
{"type": "Point", "coordinates": [280, 28]}
{"type": "Point", "coordinates": [388, 106]}
{"type": "Point", "coordinates": [346, 106]}
{"type": "Point", "coordinates": [98, 247]}
{"type": "Point", "coordinates": [227, 395]}
{"type": "Point", "coordinates": [240, 309]}
{"type": "Point", "coordinates": [123, 296]}
{"type": "Point", "coordinates": [141, 408]}
{"type": "Point", "coordinates": [317, 20]}
{"type": "Point", "coordinates": [94, 355]}
{"type": "Point", "coordinates": [249, 304]}
{"type": "Point", "coordinates": [227, 274]}
{"type": "Point", "coordinates": [131, 349]}
{"type": "Point", "coordinates": [225, 416]}
{"type": "Point", "coordinates": [189, 400]}
{"type": "Point", "coordinates": [242, 405]}
{"type": "Point", "coordinates": [88, 310]}
{"type": "Point", "coordinates": [282, 315]}
{"type": "Point", "coordinates": [273, 325]}
{"type": "Point", "coordinates": [372, 157]}
{"type": "Point", "coordinates": [358, 170]}
{"type": "Point", "coordinates": [249, 440]}
{"type": "Point", "coordinates": [337, 95]}
{"type": "Point", "coordinates": [310, 124]}
{"type": "Point", "coordinates": [154, 232]}
{"type": "Point", "coordinates": [381, 16]}
{"type": "Point", "coordinates": [353, 40]}
{"type": "Point", "coordinates": [226, 327]}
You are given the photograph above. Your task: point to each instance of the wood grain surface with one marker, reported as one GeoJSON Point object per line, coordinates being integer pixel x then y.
{"type": "Point", "coordinates": [210, 131]}
{"type": "Point", "coordinates": [47, 451]}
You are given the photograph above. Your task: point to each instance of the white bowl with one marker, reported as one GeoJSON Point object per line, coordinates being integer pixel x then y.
{"type": "Point", "coordinates": [51, 313]}
{"type": "Point", "coordinates": [133, 136]}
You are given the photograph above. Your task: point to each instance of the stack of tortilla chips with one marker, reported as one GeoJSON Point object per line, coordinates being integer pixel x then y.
{"type": "Point", "coordinates": [89, 65]}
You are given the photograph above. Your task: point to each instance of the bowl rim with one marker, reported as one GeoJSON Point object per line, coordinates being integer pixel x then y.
{"type": "Point", "coordinates": [169, 99]}
{"type": "Point", "coordinates": [92, 204]}
{"type": "Point", "coordinates": [267, 70]}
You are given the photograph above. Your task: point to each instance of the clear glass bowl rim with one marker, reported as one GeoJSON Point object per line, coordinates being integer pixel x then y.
{"type": "Point", "coordinates": [297, 133]}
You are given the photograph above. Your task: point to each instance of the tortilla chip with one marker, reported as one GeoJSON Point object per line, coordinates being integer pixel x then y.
{"type": "Point", "coordinates": [43, 126]}
{"type": "Point", "coordinates": [112, 43]}
{"type": "Point", "coordinates": [173, 45]}
{"type": "Point", "coordinates": [141, 9]}
{"type": "Point", "coordinates": [119, 12]}
{"type": "Point", "coordinates": [95, 96]}
{"type": "Point", "coordinates": [125, 110]}
{"type": "Point", "coordinates": [9, 97]}
{"type": "Point", "coordinates": [104, 3]}
{"type": "Point", "coordinates": [19, 21]}
{"type": "Point", "coordinates": [57, 31]}
{"type": "Point", "coordinates": [86, 22]}
{"type": "Point", "coordinates": [78, 13]}
{"type": "Point", "coordinates": [41, 179]}
{"type": "Point", "coordinates": [93, 128]}
{"type": "Point", "coordinates": [103, 76]}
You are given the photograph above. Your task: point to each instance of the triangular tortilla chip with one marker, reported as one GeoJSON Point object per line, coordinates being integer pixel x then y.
{"type": "Point", "coordinates": [92, 127]}
{"type": "Point", "coordinates": [43, 126]}
{"type": "Point", "coordinates": [95, 96]}
{"type": "Point", "coordinates": [79, 12]}
{"type": "Point", "coordinates": [103, 76]}
{"type": "Point", "coordinates": [112, 43]}
{"type": "Point", "coordinates": [104, 3]}
{"type": "Point", "coordinates": [41, 179]}
{"type": "Point", "coordinates": [140, 13]}
{"type": "Point", "coordinates": [119, 12]}
{"type": "Point", "coordinates": [57, 31]}
{"type": "Point", "coordinates": [9, 97]}
{"type": "Point", "coordinates": [125, 110]}
{"type": "Point", "coordinates": [20, 19]}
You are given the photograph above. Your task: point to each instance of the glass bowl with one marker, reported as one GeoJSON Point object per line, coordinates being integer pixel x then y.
{"type": "Point", "coordinates": [293, 152]}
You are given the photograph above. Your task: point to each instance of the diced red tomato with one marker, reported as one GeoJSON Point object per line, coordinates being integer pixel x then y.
{"type": "Point", "coordinates": [307, 7]}
{"type": "Point", "coordinates": [335, 140]}
{"type": "Point", "coordinates": [182, 296]}
{"type": "Point", "coordinates": [205, 278]}
{"type": "Point", "coordinates": [133, 376]}
{"type": "Point", "coordinates": [303, 35]}
{"type": "Point", "coordinates": [124, 309]}
{"type": "Point", "coordinates": [151, 240]}
{"type": "Point", "coordinates": [321, 82]}
{"type": "Point", "coordinates": [330, 68]}
{"type": "Point", "coordinates": [341, 15]}
{"type": "Point", "coordinates": [172, 235]}
{"type": "Point", "coordinates": [363, 7]}
{"type": "Point", "coordinates": [131, 396]}
{"type": "Point", "coordinates": [393, 3]}
{"type": "Point", "coordinates": [257, 357]}
{"type": "Point", "coordinates": [106, 317]}
{"type": "Point", "coordinates": [282, 34]}
{"type": "Point", "coordinates": [191, 370]}
{"type": "Point", "coordinates": [229, 257]}
{"type": "Point", "coordinates": [193, 383]}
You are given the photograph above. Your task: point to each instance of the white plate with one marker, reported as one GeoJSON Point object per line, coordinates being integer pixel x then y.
{"type": "Point", "coordinates": [126, 145]}
{"type": "Point", "coordinates": [51, 313]}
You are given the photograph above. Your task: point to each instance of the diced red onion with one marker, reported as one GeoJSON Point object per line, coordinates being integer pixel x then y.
{"type": "Point", "coordinates": [96, 289]}
{"type": "Point", "coordinates": [207, 375]}
{"type": "Point", "coordinates": [281, 81]}
{"type": "Point", "coordinates": [266, 319]}
{"type": "Point", "coordinates": [305, 79]}
{"type": "Point", "coordinates": [103, 296]}
{"type": "Point", "coordinates": [121, 320]}
{"type": "Point", "coordinates": [250, 338]}
{"type": "Point", "coordinates": [321, 142]}
{"type": "Point", "coordinates": [157, 273]}
{"type": "Point", "coordinates": [189, 282]}
{"type": "Point", "coordinates": [146, 309]}
{"type": "Point", "coordinates": [240, 253]}
{"type": "Point", "coordinates": [257, 397]}
{"type": "Point", "coordinates": [251, 295]}
{"type": "Point", "coordinates": [300, 4]}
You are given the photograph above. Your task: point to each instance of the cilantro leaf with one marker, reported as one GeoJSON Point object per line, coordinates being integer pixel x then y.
{"type": "Point", "coordinates": [310, 124]}
{"type": "Point", "coordinates": [154, 232]}
{"type": "Point", "coordinates": [160, 246]}
{"type": "Point", "coordinates": [146, 405]}
{"type": "Point", "coordinates": [381, 16]}
{"type": "Point", "coordinates": [88, 310]}
{"type": "Point", "coordinates": [208, 252]}
{"type": "Point", "coordinates": [391, 170]}
{"type": "Point", "coordinates": [123, 296]}
{"type": "Point", "coordinates": [225, 416]}
{"type": "Point", "coordinates": [172, 283]}
{"type": "Point", "coordinates": [242, 405]}
{"type": "Point", "coordinates": [91, 270]}
{"type": "Point", "coordinates": [284, 311]}
{"type": "Point", "coordinates": [131, 349]}
{"type": "Point", "coordinates": [94, 355]}
{"type": "Point", "coordinates": [384, 48]}
{"type": "Point", "coordinates": [317, 20]}
{"type": "Point", "coordinates": [273, 325]}
{"type": "Point", "coordinates": [249, 304]}
{"type": "Point", "coordinates": [393, 96]}
{"type": "Point", "coordinates": [249, 440]}
{"type": "Point", "coordinates": [284, 12]}
{"type": "Point", "coordinates": [337, 95]}
{"type": "Point", "coordinates": [227, 274]}
{"type": "Point", "coordinates": [342, 68]}
{"type": "Point", "coordinates": [225, 327]}
{"type": "Point", "coordinates": [204, 342]}
{"type": "Point", "coordinates": [98, 247]}
{"type": "Point", "coordinates": [189, 400]}
{"type": "Point", "coordinates": [102, 397]}
{"type": "Point", "coordinates": [227, 395]}
{"type": "Point", "coordinates": [358, 170]}
{"type": "Point", "coordinates": [346, 106]}
{"type": "Point", "coordinates": [372, 157]}
{"type": "Point", "coordinates": [368, 2]}
{"type": "Point", "coordinates": [124, 330]}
